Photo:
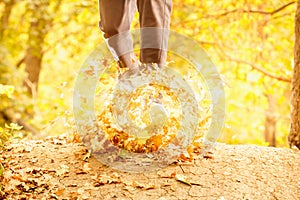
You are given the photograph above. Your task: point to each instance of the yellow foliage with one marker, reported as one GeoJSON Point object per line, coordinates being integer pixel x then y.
{"type": "Point", "coordinates": [251, 45]}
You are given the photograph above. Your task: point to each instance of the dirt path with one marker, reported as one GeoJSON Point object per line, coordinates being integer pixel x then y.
{"type": "Point", "coordinates": [54, 168]}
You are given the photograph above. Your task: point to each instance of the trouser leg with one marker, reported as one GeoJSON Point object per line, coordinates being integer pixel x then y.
{"type": "Point", "coordinates": [154, 13]}
{"type": "Point", "coordinates": [115, 20]}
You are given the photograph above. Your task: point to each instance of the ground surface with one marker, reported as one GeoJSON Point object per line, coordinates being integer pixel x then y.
{"type": "Point", "coordinates": [57, 168]}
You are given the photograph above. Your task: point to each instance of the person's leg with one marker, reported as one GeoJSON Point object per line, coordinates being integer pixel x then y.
{"type": "Point", "coordinates": [115, 20]}
{"type": "Point", "coordinates": [154, 13]}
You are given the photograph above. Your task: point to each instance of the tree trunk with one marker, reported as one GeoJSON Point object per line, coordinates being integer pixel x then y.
{"type": "Point", "coordinates": [270, 123]}
{"type": "Point", "coordinates": [34, 54]}
{"type": "Point", "coordinates": [5, 16]}
{"type": "Point", "coordinates": [294, 137]}
{"type": "Point", "coordinates": [33, 59]}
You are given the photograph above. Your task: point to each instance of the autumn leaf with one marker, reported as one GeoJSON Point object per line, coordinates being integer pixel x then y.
{"type": "Point", "coordinates": [181, 178]}
{"type": "Point", "coordinates": [85, 169]}
{"type": "Point", "coordinates": [145, 186]}
{"type": "Point", "coordinates": [1, 169]}
{"type": "Point", "coordinates": [86, 156]}
{"type": "Point", "coordinates": [63, 170]}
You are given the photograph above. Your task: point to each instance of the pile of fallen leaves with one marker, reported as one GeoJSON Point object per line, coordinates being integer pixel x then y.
{"type": "Point", "coordinates": [156, 110]}
{"type": "Point", "coordinates": [139, 112]}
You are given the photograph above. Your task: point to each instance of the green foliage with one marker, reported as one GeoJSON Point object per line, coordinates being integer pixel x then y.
{"type": "Point", "coordinates": [8, 132]}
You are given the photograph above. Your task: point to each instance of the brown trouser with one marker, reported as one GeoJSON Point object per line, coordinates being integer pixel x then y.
{"type": "Point", "coordinates": [116, 17]}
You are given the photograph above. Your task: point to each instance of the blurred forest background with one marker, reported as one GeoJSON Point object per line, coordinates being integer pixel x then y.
{"type": "Point", "coordinates": [250, 41]}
